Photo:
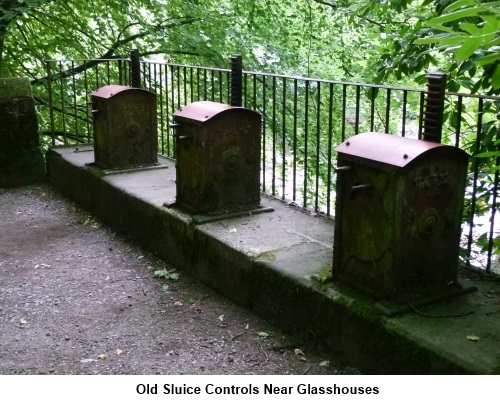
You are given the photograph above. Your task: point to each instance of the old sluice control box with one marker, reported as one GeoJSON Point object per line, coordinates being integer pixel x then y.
{"type": "Point", "coordinates": [398, 214]}
{"type": "Point", "coordinates": [217, 158]}
{"type": "Point", "coordinates": [125, 127]}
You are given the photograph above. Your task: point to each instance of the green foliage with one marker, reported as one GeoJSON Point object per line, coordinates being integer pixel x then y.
{"type": "Point", "coordinates": [469, 30]}
{"type": "Point", "coordinates": [167, 274]}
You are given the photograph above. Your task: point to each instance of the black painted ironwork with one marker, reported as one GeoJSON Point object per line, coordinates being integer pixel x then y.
{"type": "Point", "coordinates": [303, 120]}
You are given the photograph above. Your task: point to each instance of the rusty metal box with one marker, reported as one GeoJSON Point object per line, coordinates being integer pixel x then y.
{"type": "Point", "coordinates": [217, 158]}
{"type": "Point", "coordinates": [125, 127]}
{"type": "Point", "coordinates": [398, 214]}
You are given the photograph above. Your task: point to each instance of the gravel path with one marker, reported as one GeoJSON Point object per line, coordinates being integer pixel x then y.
{"type": "Point", "coordinates": [76, 298]}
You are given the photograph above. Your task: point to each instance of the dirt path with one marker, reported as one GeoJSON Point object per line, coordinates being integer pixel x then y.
{"type": "Point", "coordinates": [76, 298]}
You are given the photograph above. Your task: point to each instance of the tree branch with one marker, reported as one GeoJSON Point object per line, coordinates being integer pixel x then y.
{"type": "Point", "coordinates": [172, 52]}
{"type": "Point", "coordinates": [110, 54]}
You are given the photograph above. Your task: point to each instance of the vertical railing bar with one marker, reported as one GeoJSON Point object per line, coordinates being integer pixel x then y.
{"type": "Point", "coordinates": [143, 72]}
{"type": "Point", "coordinates": [344, 104]}
{"type": "Point", "coordinates": [120, 72]}
{"type": "Point", "coordinates": [459, 121]}
{"type": "Point", "coordinates": [388, 111]}
{"type": "Point", "coordinates": [306, 142]}
{"type": "Point", "coordinates": [403, 123]}
{"type": "Point", "coordinates": [108, 73]}
{"type": "Point", "coordinates": [51, 104]}
{"type": "Point", "coordinates": [126, 72]}
{"type": "Point", "coordinates": [212, 85]}
{"type": "Point", "coordinates": [63, 104]}
{"type": "Point", "coordinates": [372, 109]}
{"type": "Point", "coordinates": [283, 141]}
{"type": "Point", "coordinates": [162, 116]}
{"type": "Point", "coordinates": [150, 82]}
{"type": "Point", "coordinates": [227, 77]}
{"type": "Point", "coordinates": [356, 117]}
{"type": "Point", "coordinates": [167, 108]}
{"type": "Point", "coordinates": [245, 90]}
{"type": "Point", "coordinates": [87, 103]}
{"type": "Point", "coordinates": [295, 105]}
{"type": "Point", "coordinates": [318, 144]}
{"type": "Point", "coordinates": [155, 76]}
{"type": "Point", "coordinates": [191, 84]}
{"type": "Point", "coordinates": [198, 98]}
{"type": "Point", "coordinates": [178, 85]}
{"type": "Point", "coordinates": [221, 93]}
{"type": "Point", "coordinates": [205, 84]}
{"type": "Point", "coordinates": [264, 125]}
{"type": "Point", "coordinates": [184, 83]}
{"type": "Point", "coordinates": [273, 183]}
{"type": "Point", "coordinates": [96, 69]}
{"type": "Point", "coordinates": [75, 109]}
{"type": "Point", "coordinates": [153, 81]}
{"type": "Point", "coordinates": [474, 181]}
{"type": "Point", "coordinates": [172, 87]}
{"type": "Point", "coordinates": [254, 80]}
{"type": "Point", "coordinates": [421, 115]}
{"type": "Point", "coordinates": [330, 147]}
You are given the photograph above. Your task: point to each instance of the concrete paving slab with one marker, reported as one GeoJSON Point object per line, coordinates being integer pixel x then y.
{"type": "Point", "coordinates": [277, 264]}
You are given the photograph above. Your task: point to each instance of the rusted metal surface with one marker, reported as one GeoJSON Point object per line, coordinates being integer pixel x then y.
{"type": "Point", "coordinates": [109, 91]}
{"type": "Point", "coordinates": [217, 158]}
{"type": "Point", "coordinates": [201, 111]}
{"type": "Point", "coordinates": [398, 220]}
{"type": "Point", "coordinates": [125, 127]}
{"type": "Point", "coordinates": [387, 149]}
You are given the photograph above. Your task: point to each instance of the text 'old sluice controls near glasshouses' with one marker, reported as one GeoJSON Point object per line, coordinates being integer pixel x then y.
{"type": "Point", "coordinates": [218, 159]}
{"type": "Point", "coordinates": [398, 214]}
{"type": "Point", "coordinates": [125, 127]}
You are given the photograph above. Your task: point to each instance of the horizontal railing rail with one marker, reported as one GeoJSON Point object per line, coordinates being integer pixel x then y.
{"type": "Point", "coordinates": [304, 119]}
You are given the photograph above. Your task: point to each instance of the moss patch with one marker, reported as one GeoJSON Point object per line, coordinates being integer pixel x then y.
{"type": "Point", "coordinates": [14, 87]}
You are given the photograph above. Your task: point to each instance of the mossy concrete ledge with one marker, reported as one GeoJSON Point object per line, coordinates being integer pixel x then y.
{"type": "Point", "coordinates": [274, 264]}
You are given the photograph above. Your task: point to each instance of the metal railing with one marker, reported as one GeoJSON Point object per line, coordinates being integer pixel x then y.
{"type": "Point", "coordinates": [304, 119]}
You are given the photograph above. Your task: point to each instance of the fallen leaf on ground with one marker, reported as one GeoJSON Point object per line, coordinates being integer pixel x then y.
{"type": "Point", "coordinates": [23, 320]}
{"type": "Point", "coordinates": [473, 338]}
{"type": "Point", "coordinates": [118, 352]}
{"type": "Point", "coordinates": [298, 352]}
{"type": "Point", "coordinates": [102, 357]}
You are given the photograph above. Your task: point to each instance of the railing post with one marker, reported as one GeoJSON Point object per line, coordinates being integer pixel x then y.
{"type": "Point", "coordinates": [51, 104]}
{"type": "Point", "coordinates": [236, 80]}
{"type": "Point", "coordinates": [135, 69]}
{"type": "Point", "coordinates": [434, 107]}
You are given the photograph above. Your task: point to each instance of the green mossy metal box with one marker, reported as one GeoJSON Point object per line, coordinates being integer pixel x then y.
{"type": "Point", "coordinates": [217, 158]}
{"type": "Point", "coordinates": [398, 214]}
{"type": "Point", "coordinates": [125, 127]}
